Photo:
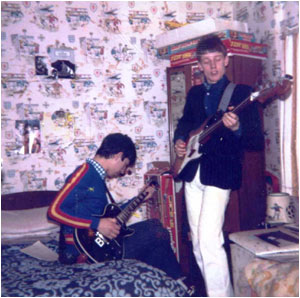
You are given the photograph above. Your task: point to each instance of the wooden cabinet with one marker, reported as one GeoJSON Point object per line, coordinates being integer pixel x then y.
{"type": "Point", "coordinates": [246, 208]}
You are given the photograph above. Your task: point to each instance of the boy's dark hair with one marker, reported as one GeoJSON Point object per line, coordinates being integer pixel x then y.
{"type": "Point", "coordinates": [209, 44]}
{"type": "Point", "coordinates": [115, 143]}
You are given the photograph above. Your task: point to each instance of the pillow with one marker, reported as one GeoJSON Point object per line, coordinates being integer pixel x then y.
{"type": "Point", "coordinates": [26, 223]}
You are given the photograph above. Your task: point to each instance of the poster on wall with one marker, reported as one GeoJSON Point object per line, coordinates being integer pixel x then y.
{"type": "Point", "coordinates": [28, 136]}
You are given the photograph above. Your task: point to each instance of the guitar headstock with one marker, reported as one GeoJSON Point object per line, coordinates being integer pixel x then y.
{"type": "Point", "coordinates": [280, 90]}
{"type": "Point", "coordinates": [284, 86]}
{"type": "Point", "coordinates": [153, 183]}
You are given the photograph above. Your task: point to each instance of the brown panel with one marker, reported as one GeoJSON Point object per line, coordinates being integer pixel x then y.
{"type": "Point", "coordinates": [27, 200]}
{"type": "Point", "coordinates": [244, 70]}
{"type": "Point", "coordinates": [232, 215]}
{"type": "Point", "coordinates": [252, 194]}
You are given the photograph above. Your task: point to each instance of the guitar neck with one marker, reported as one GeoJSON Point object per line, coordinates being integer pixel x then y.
{"type": "Point", "coordinates": [278, 90]}
{"type": "Point", "coordinates": [219, 122]}
{"type": "Point", "coordinates": [125, 214]}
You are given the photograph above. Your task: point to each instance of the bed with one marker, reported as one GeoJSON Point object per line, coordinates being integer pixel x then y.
{"type": "Point", "coordinates": [24, 222]}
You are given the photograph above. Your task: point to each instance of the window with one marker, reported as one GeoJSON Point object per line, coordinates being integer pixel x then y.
{"type": "Point", "coordinates": [289, 122]}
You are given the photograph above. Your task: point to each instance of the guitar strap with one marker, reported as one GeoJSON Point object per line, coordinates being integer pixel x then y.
{"type": "Point", "coordinates": [110, 196]}
{"type": "Point", "coordinates": [226, 97]}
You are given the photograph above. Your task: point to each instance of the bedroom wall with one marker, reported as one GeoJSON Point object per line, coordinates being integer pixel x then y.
{"type": "Point", "coordinates": [269, 21]}
{"type": "Point", "coordinates": [119, 86]}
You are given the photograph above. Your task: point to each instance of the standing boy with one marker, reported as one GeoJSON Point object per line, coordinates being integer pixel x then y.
{"type": "Point", "coordinates": [210, 178]}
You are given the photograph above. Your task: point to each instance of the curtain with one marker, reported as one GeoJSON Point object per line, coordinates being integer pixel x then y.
{"type": "Point", "coordinates": [289, 123]}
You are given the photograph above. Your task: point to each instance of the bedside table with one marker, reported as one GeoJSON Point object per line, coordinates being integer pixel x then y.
{"type": "Point", "coordinates": [269, 248]}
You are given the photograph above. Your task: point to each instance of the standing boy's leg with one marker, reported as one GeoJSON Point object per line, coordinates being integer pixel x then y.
{"type": "Point", "coordinates": [206, 208]}
{"type": "Point", "coordinates": [216, 271]}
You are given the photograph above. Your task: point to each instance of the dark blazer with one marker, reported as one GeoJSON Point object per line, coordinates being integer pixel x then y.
{"type": "Point", "coordinates": [221, 159]}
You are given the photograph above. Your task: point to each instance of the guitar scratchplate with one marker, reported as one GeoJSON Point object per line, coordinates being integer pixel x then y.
{"type": "Point", "coordinates": [100, 239]}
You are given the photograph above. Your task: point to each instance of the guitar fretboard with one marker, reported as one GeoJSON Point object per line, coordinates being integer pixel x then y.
{"type": "Point", "coordinates": [218, 123]}
{"type": "Point", "coordinates": [130, 208]}
{"type": "Point", "coordinates": [258, 96]}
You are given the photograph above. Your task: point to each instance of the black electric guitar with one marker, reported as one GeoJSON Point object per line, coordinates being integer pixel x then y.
{"type": "Point", "coordinates": [200, 136]}
{"type": "Point", "coordinates": [99, 248]}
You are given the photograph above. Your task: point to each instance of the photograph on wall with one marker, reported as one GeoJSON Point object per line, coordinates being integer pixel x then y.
{"type": "Point", "coordinates": [28, 136]}
{"type": "Point", "coordinates": [62, 62]}
{"type": "Point", "coordinates": [41, 68]}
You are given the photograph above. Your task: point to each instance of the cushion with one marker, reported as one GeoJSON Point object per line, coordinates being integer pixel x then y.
{"type": "Point", "coordinates": [26, 223]}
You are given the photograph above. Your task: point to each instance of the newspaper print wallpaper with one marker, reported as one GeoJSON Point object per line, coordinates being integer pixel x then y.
{"type": "Point", "coordinates": [72, 72]}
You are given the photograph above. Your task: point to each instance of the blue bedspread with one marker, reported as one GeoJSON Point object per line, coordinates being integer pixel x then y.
{"type": "Point", "coordinates": [24, 276]}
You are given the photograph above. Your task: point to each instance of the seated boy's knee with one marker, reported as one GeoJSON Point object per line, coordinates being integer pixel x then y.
{"type": "Point", "coordinates": [157, 229]}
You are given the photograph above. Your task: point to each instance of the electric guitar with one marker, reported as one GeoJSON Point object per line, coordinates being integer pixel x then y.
{"type": "Point", "coordinates": [200, 136]}
{"type": "Point", "coordinates": [99, 248]}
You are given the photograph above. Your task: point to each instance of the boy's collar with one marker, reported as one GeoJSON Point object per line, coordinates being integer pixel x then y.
{"type": "Point", "coordinates": [220, 82]}
{"type": "Point", "coordinates": [98, 167]}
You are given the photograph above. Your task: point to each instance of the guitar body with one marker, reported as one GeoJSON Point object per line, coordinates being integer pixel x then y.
{"type": "Point", "coordinates": [97, 247]}
{"type": "Point", "coordinates": [193, 146]}
{"type": "Point", "coordinates": [193, 153]}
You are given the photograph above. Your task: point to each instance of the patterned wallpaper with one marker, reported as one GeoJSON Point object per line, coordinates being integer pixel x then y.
{"type": "Point", "coordinates": [270, 21]}
{"type": "Point", "coordinates": [72, 72]}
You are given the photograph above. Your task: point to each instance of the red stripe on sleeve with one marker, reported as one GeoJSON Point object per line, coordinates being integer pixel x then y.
{"type": "Point", "coordinates": [54, 210]}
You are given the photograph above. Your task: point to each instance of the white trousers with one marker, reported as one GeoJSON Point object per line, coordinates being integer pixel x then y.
{"type": "Point", "coordinates": [206, 207]}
